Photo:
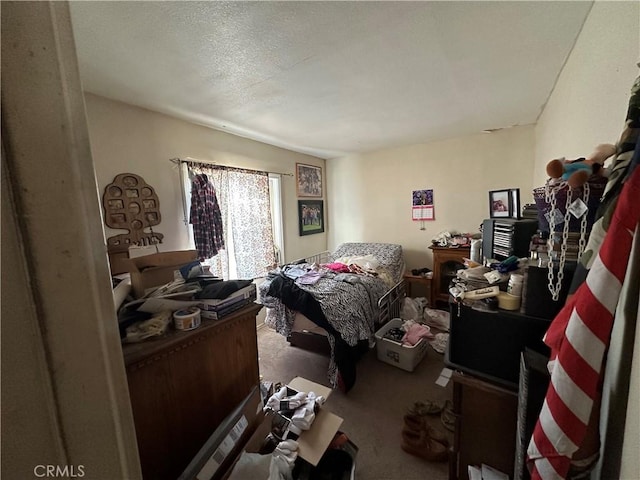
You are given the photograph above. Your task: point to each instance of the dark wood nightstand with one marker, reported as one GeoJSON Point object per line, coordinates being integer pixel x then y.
{"type": "Point", "coordinates": [446, 262]}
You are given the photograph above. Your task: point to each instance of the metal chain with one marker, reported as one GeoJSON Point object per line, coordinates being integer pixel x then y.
{"type": "Point", "coordinates": [550, 198]}
{"type": "Point", "coordinates": [583, 222]}
{"type": "Point", "coordinates": [555, 284]}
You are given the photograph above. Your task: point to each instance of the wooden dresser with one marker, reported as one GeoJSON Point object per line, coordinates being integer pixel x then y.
{"type": "Point", "coordinates": [446, 262]}
{"type": "Point", "coordinates": [486, 425]}
{"type": "Point", "coordinates": [183, 385]}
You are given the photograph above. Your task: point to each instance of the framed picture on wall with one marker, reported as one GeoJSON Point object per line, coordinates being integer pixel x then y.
{"type": "Point", "coordinates": [310, 217]}
{"type": "Point", "coordinates": [500, 204]}
{"type": "Point", "coordinates": [308, 180]}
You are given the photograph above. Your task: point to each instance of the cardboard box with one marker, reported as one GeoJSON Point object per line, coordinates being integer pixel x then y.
{"type": "Point", "coordinates": [246, 428]}
{"type": "Point", "coordinates": [157, 269]}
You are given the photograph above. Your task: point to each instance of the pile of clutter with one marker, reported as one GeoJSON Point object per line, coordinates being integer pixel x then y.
{"type": "Point", "coordinates": [275, 450]}
{"type": "Point", "coordinates": [498, 285]}
{"type": "Point", "coordinates": [453, 239]}
{"type": "Point", "coordinates": [154, 306]}
{"type": "Point", "coordinates": [420, 321]}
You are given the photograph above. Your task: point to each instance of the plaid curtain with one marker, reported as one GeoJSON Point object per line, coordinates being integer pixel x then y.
{"type": "Point", "coordinates": [243, 196]}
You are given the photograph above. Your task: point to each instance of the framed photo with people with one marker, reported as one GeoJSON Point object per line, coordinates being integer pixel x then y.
{"type": "Point", "coordinates": [311, 216]}
{"type": "Point", "coordinates": [308, 180]}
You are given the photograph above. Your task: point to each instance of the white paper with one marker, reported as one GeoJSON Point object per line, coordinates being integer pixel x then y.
{"type": "Point", "coordinates": [157, 305]}
{"type": "Point", "coordinates": [490, 473]}
{"type": "Point", "coordinates": [474, 473]}
{"type": "Point", "coordinates": [445, 376]}
{"type": "Point", "coordinates": [578, 208]}
{"type": "Point", "coordinates": [442, 381]}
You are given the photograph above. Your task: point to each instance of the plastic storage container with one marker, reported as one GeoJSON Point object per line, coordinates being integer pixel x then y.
{"type": "Point", "coordinates": [406, 357]}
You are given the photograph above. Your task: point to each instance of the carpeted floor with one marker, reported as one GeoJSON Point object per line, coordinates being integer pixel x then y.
{"type": "Point", "coordinates": [373, 409]}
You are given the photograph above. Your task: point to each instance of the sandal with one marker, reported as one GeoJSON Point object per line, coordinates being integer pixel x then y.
{"type": "Point", "coordinates": [418, 426]}
{"type": "Point", "coordinates": [421, 445]}
{"type": "Point", "coordinates": [447, 417]}
{"type": "Point", "coordinates": [426, 407]}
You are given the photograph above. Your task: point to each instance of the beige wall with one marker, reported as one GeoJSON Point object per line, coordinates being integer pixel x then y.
{"type": "Point", "coordinates": [589, 102]}
{"type": "Point", "coordinates": [588, 107]}
{"type": "Point", "coordinates": [125, 138]}
{"type": "Point", "coordinates": [370, 194]}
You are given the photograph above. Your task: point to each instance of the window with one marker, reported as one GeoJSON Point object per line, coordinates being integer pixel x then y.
{"type": "Point", "coordinates": [251, 218]}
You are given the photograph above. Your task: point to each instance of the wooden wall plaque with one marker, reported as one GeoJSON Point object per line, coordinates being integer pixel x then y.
{"type": "Point", "coordinates": [131, 204]}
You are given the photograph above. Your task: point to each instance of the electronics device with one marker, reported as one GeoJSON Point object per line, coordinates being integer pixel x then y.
{"type": "Point", "coordinates": [504, 237]}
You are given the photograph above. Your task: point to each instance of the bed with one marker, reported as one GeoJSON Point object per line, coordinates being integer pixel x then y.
{"type": "Point", "coordinates": [343, 307]}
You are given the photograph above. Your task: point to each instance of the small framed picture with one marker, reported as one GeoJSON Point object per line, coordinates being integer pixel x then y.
{"type": "Point", "coordinates": [500, 204]}
{"type": "Point", "coordinates": [514, 193]}
{"type": "Point", "coordinates": [308, 180]}
{"type": "Point", "coordinates": [310, 217]}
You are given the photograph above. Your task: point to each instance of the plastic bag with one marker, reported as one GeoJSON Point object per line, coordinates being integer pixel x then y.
{"type": "Point", "coordinates": [410, 310]}
{"type": "Point", "coordinates": [439, 319]}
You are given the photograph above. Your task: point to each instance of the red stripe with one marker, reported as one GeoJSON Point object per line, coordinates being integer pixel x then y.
{"type": "Point", "coordinates": [555, 333]}
{"type": "Point", "coordinates": [614, 254]}
{"type": "Point", "coordinates": [577, 368]}
{"type": "Point", "coordinates": [594, 314]}
{"type": "Point", "coordinates": [544, 446]}
{"type": "Point", "coordinates": [567, 421]}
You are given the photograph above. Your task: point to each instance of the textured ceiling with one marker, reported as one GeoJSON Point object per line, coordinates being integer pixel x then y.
{"type": "Point", "coordinates": [330, 78]}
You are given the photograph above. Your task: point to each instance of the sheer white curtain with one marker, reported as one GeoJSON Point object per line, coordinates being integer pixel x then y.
{"type": "Point", "coordinates": [243, 196]}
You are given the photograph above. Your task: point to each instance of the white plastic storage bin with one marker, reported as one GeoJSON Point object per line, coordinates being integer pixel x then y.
{"type": "Point", "coordinates": [406, 357]}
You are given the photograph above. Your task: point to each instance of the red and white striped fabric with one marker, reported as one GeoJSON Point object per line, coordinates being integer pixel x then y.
{"type": "Point", "coordinates": [578, 338]}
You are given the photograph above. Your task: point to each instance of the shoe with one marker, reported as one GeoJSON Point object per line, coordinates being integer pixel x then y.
{"type": "Point", "coordinates": [447, 416]}
{"type": "Point", "coordinates": [426, 407]}
{"type": "Point", "coordinates": [417, 425]}
{"type": "Point", "coordinates": [421, 445]}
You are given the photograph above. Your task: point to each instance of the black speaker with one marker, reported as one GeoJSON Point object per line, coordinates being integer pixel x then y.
{"type": "Point", "coordinates": [504, 237]}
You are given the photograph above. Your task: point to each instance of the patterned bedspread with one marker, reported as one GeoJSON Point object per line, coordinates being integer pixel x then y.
{"type": "Point", "coordinates": [349, 304]}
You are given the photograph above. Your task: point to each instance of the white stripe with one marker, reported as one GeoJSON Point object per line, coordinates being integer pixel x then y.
{"type": "Point", "coordinates": [571, 394]}
{"type": "Point", "coordinates": [532, 451]}
{"type": "Point", "coordinates": [546, 470]}
{"type": "Point", "coordinates": [604, 285]}
{"type": "Point", "coordinates": [555, 435]}
{"type": "Point", "coordinates": [585, 342]}
{"type": "Point", "coordinates": [544, 467]}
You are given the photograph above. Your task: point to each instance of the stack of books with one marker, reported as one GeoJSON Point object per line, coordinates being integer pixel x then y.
{"type": "Point", "coordinates": [215, 309]}
{"type": "Point", "coordinates": [530, 210]}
